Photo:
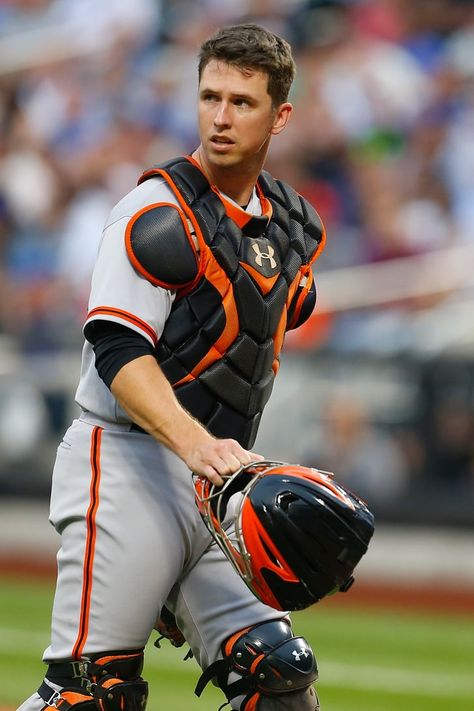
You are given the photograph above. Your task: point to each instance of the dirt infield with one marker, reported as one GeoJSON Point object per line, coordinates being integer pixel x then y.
{"type": "Point", "coordinates": [427, 597]}
{"type": "Point", "coordinates": [27, 567]}
{"type": "Point", "coordinates": [418, 598]}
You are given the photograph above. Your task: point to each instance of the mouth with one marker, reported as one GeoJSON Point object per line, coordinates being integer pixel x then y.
{"type": "Point", "coordinates": [221, 143]}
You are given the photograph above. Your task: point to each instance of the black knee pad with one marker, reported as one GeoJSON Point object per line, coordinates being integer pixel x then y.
{"type": "Point", "coordinates": [265, 661]}
{"type": "Point", "coordinates": [111, 680]}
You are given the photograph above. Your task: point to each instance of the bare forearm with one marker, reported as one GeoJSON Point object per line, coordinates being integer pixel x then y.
{"type": "Point", "coordinates": [145, 394]}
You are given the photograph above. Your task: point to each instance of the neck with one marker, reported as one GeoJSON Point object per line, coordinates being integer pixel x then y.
{"type": "Point", "coordinates": [236, 183]}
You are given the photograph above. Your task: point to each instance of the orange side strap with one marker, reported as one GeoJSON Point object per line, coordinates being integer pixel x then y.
{"type": "Point", "coordinates": [251, 704]}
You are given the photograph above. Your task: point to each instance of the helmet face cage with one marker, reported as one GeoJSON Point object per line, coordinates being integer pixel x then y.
{"type": "Point", "coordinates": [212, 502]}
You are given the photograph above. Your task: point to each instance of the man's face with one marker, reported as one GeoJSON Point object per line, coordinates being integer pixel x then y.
{"type": "Point", "coordinates": [236, 117]}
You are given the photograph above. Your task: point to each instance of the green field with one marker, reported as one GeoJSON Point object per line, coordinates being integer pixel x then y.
{"type": "Point", "coordinates": [369, 661]}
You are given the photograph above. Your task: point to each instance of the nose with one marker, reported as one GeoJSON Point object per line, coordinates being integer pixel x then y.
{"type": "Point", "coordinates": [222, 115]}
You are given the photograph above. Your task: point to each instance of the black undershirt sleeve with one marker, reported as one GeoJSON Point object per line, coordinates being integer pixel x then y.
{"type": "Point", "coordinates": [114, 345]}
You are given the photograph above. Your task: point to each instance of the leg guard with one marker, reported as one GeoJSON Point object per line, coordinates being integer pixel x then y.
{"type": "Point", "coordinates": [265, 667]}
{"type": "Point", "coordinates": [306, 700]}
{"type": "Point", "coordinates": [108, 682]}
{"type": "Point", "coordinates": [65, 699]}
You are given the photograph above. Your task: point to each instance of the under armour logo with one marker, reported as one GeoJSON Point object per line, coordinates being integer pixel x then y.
{"type": "Point", "coordinates": [298, 655]}
{"type": "Point", "coordinates": [264, 255]}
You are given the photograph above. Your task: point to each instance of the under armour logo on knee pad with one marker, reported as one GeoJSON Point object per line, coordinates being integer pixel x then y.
{"type": "Point", "coordinates": [297, 655]}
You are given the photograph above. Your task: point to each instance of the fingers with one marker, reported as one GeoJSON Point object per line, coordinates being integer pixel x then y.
{"type": "Point", "coordinates": [230, 463]}
{"type": "Point", "coordinates": [211, 474]}
{"type": "Point", "coordinates": [254, 457]}
{"type": "Point", "coordinates": [233, 456]}
{"type": "Point", "coordinates": [220, 458]}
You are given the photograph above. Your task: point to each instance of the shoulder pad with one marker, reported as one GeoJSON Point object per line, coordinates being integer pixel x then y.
{"type": "Point", "coordinates": [161, 247]}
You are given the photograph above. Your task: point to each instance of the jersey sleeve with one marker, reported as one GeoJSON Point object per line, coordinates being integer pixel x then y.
{"type": "Point", "coordinates": [122, 295]}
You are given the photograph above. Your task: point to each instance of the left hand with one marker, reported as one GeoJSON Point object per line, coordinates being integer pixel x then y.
{"type": "Point", "coordinates": [167, 627]}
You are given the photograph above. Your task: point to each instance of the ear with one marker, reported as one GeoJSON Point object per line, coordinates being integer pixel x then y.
{"type": "Point", "coordinates": [282, 116]}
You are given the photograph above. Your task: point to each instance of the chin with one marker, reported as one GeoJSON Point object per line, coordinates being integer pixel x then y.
{"type": "Point", "coordinates": [224, 161]}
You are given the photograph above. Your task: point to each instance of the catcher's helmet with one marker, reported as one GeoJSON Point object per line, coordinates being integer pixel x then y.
{"type": "Point", "coordinates": [297, 535]}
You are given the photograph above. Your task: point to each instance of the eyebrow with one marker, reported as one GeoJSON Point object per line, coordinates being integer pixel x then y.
{"type": "Point", "coordinates": [237, 95]}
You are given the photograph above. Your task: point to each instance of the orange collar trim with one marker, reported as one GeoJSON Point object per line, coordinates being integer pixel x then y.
{"type": "Point", "coordinates": [235, 212]}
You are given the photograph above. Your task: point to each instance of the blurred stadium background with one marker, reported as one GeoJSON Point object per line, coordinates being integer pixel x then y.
{"type": "Point", "coordinates": [379, 384]}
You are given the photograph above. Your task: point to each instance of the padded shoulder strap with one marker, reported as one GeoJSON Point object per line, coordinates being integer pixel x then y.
{"type": "Point", "coordinates": [191, 181]}
{"type": "Point", "coordinates": [195, 195]}
{"type": "Point", "coordinates": [298, 209]}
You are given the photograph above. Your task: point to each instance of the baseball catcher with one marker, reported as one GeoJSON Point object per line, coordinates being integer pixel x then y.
{"type": "Point", "coordinates": [202, 269]}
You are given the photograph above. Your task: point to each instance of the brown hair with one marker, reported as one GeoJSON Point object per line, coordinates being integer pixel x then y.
{"type": "Point", "coordinates": [250, 46]}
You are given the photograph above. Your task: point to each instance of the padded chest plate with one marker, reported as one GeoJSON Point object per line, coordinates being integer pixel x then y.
{"type": "Point", "coordinates": [221, 343]}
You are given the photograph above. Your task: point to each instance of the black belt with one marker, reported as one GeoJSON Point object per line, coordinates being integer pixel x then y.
{"type": "Point", "coordinates": [137, 428]}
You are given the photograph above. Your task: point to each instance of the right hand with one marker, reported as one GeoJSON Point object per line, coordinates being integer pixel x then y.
{"type": "Point", "coordinates": [217, 458]}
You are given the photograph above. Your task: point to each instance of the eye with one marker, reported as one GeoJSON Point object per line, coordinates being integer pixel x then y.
{"type": "Point", "coordinates": [242, 103]}
{"type": "Point", "coordinates": [209, 97]}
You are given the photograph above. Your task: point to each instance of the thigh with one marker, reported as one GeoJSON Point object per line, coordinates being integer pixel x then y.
{"type": "Point", "coordinates": [122, 508]}
{"type": "Point", "coordinates": [211, 602]}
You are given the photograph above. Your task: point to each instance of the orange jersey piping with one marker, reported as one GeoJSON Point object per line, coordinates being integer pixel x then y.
{"type": "Point", "coordinates": [127, 316]}
{"type": "Point", "coordinates": [87, 576]}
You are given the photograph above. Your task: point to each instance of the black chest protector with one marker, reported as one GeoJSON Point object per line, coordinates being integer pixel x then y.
{"type": "Point", "coordinates": [236, 288]}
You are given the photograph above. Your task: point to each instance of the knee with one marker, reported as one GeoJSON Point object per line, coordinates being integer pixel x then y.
{"type": "Point", "coordinates": [266, 667]}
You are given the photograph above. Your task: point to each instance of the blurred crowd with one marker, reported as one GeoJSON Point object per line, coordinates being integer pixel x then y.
{"type": "Point", "coordinates": [92, 93]}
